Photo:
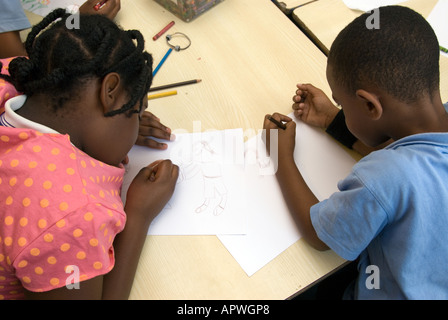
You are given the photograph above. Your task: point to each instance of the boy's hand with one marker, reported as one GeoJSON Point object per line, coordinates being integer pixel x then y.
{"type": "Point", "coordinates": [285, 143]}
{"type": "Point", "coordinates": [150, 126]}
{"type": "Point", "coordinates": [151, 189]}
{"type": "Point", "coordinates": [109, 9]}
{"type": "Point", "coordinates": [312, 106]}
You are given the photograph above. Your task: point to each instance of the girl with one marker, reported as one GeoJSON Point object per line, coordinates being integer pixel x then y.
{"type": "Point", "coordinates": [62, 145]}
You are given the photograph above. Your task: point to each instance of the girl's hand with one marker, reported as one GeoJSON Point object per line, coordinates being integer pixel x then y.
{"type": "Point", "coordinates": [285, 143]}
{"type": "Point", "coordinates": [312, 106]}
{"type": "Point", "coordinates": [151, 189]}
{"type": "Point", "coordinates": [109, 9]}
{"type": "Point", "coordinates": [150, 126]}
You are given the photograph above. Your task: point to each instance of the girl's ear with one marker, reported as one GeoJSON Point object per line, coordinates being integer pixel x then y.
{"type": "Point", "coordinates": [112, 93]}
{"type": "Point", "coordinates": [373, 107]}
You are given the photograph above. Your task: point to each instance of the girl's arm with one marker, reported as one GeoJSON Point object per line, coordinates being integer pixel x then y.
{"type": "Point", "coordinates": [147, 195]}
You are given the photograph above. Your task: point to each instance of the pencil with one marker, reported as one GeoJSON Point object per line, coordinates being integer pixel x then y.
{"type": "Point", "coordinates": [304, 4]}
{"type": "Point", "coordinates": [278, 123]}
{"type": "Point", "coordinates": [177, 84]}
{"type": "Point", "coordinates": [99, 5]}
{"type": "Point", "coordinates": [443, 49]}
{"type": "Point", "coordinates": [157, 36]}
{"type": "Point", "coordinates": [161, 95]}
{"type": "Point", "coordinates": [162, 61]}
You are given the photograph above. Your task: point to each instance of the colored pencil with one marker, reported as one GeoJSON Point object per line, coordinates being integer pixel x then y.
{"type": "Point", "coordinates": [161, 95]}
{"type": "Point", "coordinates": [157, 36]}
{"type": "Point", "coordinates": [173, 85]}
{"type": "Point", "coordinates": [99, 5]}
{"type": "Point", "coordinates": [304, 4]}
{"type": "Point", "coordinates": [278, 123]}
{"type": "Point", "coordinates": [162, 61]}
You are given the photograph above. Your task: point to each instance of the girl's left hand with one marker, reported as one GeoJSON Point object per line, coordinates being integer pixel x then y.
{"type": "Point", "coordinates": [150, 126]}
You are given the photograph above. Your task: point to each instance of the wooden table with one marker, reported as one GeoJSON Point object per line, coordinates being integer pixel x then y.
{"type": "Point", "coordinates": [324, 19]}
{"type": "Point", "coordinates": [250, 58]}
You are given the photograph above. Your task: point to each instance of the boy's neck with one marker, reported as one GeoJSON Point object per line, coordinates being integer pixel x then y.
{"type": "Point", "coordinates": [425, 116]}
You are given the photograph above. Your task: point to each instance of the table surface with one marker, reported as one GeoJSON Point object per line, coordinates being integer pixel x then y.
{"type": "Point", "coordinates": [324, 19]}
{"type": "Point", "coordinates": [250, 58]}
{"type": "Point", "coordinates": [246, 53]}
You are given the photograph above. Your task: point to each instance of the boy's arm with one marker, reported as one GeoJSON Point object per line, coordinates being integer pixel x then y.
{"type": "Point", "coordinates": [298, 196]}
{"type": "Point", "coordinates": [11, 45]}
{"type": "Point", "coordinates": [299, 199]}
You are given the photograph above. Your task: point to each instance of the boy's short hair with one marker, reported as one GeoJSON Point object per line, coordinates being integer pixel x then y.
{"type": "Point", "coordinates": [401, 57]}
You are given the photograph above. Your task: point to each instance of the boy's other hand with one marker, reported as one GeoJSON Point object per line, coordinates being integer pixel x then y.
{"type": "Point", "coordinates": [312, 106]}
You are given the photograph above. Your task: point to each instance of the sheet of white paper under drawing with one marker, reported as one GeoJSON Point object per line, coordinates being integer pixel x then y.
{"type": "Point", "coordinates": [439, 22]}
{"type": "Point", "coordinates": [209, 198]}
{"type": "Point", "coordinates": [271, 230]}
{"type": "Point", "coordinates": [368, 5]}
{"type": "Point", "coordinates": [44, 7]}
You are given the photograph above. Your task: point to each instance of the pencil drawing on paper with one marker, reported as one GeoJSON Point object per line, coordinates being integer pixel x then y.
{"type": "Point", "coordinates": [206, 162]}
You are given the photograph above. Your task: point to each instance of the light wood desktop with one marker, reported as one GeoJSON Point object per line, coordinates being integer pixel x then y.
{"type": "Point", "coordinates": [250, 58]}
{"type": "Point", "coordinates": [324, 19]}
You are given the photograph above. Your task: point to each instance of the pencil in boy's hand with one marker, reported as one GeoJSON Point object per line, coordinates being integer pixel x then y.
{"type": "Point", "coordinates": [172, 85]}
{"type": "Point", "coordinates": [278, 123]}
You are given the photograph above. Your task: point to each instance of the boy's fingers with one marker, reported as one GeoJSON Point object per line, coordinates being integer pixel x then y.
{"type": "Point", "coordinates": [281, 117]}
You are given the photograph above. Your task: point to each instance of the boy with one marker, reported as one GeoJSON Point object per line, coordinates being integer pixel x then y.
{"type": "Point", "coordinates": [391, 212]}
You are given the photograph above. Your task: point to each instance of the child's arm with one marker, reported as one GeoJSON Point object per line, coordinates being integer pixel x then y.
{"type": "Point", "coordinates": [298, 196]}
{"type": "Point", "coordinates": [147, 195]}
{"type": "Point", "coordinates": [11, 45]}
{"type": "Point", "coordinates": [312, 106]}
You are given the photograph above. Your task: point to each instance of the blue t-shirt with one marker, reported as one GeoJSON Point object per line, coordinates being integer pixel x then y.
{"type": "Point", "coordinates": [392, 213]}
{"type": "Point", "coordinates": [12, 16]}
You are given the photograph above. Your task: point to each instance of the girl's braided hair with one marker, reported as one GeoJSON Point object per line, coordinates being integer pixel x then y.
{"type": "Point", "coordinates": [62, 59]}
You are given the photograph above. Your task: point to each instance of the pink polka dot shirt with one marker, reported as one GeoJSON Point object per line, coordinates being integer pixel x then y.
{"type": "Point", "coordinates": [59, 208]}
{"type": "Point", "coordinates": [7, 90]}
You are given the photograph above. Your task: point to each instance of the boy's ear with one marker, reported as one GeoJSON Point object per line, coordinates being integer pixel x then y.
{"type": "Point", "coordinates": [111, 92]}
{"type": "Point", "coordinates": [372, 103]}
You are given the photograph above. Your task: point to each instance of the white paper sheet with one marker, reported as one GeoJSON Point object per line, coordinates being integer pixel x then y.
{"type": "Point", "coordinates": [44, 7]}
{"type": "Point", "coordinates": [368, 5]}
{"type": "Point", "coordinates": [211, 167]}
{"type": "Point", "coordinates": [439, 22]}
{"type": "Point", "coordinates": [271, 229]}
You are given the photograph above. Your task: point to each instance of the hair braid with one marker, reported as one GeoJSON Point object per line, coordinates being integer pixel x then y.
{"type": "Point", "coordinates": [49, 19]}
{"type": "Point", "coordinates": [142, 71]}
{"type": "Point", "coordinates": [61, 60]}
